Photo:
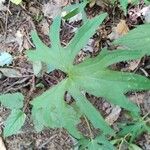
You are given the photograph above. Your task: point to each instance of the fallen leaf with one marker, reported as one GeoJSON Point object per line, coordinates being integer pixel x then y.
{"type": "Point", "coordinates": [2, 146]}
{"type": "Point", "coordinates": [11, 73]}
{"type": "Point", "coordinates": [100, 3]}
{"type": "Point", "coordinates": [92, 3]}
{"type": "Point", "coordinates": [19, 39]}
{"type": "Point", "coordinates": [2, 7]}
{"type": "Point", "coordinates": [122, 28]}
{"type": "Point", "coordinates": [114, 115]}
{"type": "Point", "coordinates": [118, 31]}
{"type": "Point", "coordinates": [44, 27]}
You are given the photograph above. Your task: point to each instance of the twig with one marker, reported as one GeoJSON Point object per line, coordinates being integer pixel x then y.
{"type": "Point", "coordinates": [29, 94]}
{"type": "Point", "coordinates": [90, 131]}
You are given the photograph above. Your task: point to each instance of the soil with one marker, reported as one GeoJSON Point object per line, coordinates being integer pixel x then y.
{"type": "Point", "coordinates": [16, 23]}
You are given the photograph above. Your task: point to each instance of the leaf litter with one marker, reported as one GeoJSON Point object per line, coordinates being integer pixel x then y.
{"type": "Point", "coordinates": [112, 112]}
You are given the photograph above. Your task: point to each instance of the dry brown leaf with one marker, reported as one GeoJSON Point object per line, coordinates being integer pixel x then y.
{"type": "Point", "coordinates": [122, 28]}
{"type": "Point", "coordinates": [114, 115]}
{"type": "Point", "coordinates": [118, 31]}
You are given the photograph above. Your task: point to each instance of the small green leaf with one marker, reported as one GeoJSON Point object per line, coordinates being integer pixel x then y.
{"type": "Point", "coordinates": [12, 101]}
{"type": "Point", "coordinates": [17, 2]}
{"type": "Point", "coordinates": [14, 122]}
{"type": "Point", "coordinates": [107, 58]}
{"type": "Point", "coordinates": [54, 111]}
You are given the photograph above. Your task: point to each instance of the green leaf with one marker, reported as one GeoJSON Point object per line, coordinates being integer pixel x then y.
{"type": "Point", "coordinates": [14, 122]}
{"type": "Point", "coordinates": [92, 114]}
{"type": "Point", "coordinates": [134, 129]}
{"type": "Point", "coordinates": [55, 112]}
{"type": "Point", "coordinates": [17, 2]}
{"type": "Point", "coordinates": [107, 58]}
{"type": "Point", "coordinates": [5, 59]}
{"type": "Point", "coordinates": [82, 36]}
{"type": "Point", "coordinates": [74, 10]}
{"type": "Point", "coordinates": [12, 101]}
{"type": "Point", "coordinates": [93, 76]}
{"type": "Point", "coordinates": [55, 30]}
{"type": "Point", "coordinates": [52, 56]}
{"type": "Point", "coordinates": [116, 83]}
{"type": "Point", "coordinates": [137, 39]}
{"type": "Point", "coordinates": [124, 4]}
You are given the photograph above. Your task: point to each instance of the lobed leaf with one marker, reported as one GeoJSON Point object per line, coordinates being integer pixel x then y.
{"type": "Point", "coordinates": [93, 76]}
{"type": "Point", "coordinates": [55, 112]}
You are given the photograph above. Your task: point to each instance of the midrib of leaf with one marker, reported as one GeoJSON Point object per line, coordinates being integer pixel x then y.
{"type": "Point", "coordinates": [20, 115]}
{"type": "Point", "coordinates": [84, 104]}
{"type": "Point", "coordinates": [104, 60]}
